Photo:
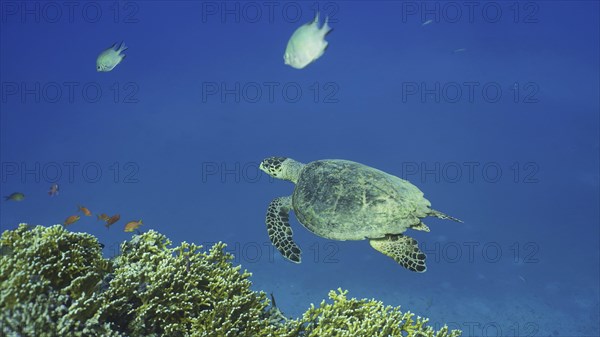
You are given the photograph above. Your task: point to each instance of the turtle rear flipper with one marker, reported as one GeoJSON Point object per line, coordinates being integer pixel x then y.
{"type": "Point", "coordinates": [441, 215]}
{"type": "Point", "coordinates": [279, 230]}
{"type": "Point", "coordinates": [403, 249]}
{"type": "Point", "coordinates": [420, 227]}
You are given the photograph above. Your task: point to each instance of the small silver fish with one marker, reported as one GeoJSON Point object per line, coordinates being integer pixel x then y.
{"type": "Point", "coordinates": [108, 59]}
{"type": "Point", "coordinates": [459, 50]}
{"type": "Point", "coordinates": [307, 44]}
{"type": "Point", "coordinates": [427, 22]}
{"type": "Point", "coordinates": [53, 190]}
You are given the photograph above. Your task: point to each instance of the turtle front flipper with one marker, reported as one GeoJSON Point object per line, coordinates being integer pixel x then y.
{"type": "Point", "coordinates": [278, 227]}
{"type": "Point", "coordinates": [403, 249]}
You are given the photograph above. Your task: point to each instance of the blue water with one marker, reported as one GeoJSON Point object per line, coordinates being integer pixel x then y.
{"type": "Point", "coordinates": [493, 114]}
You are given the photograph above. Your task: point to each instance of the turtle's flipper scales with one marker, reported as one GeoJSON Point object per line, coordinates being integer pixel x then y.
{"type": "Point", "coordinates": [403, 249]}
{"type": "Point", "coordinates": [420, 227]}
{"type": "Point", "coordinates": [441, 215]}
{"type": "Point", "coordinates": [278, 227]}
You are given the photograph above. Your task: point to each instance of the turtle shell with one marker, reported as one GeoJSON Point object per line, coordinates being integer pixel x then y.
{"type": "Point", "coordinates": [344, 200]}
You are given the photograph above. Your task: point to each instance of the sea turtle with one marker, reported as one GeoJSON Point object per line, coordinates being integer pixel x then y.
{"type": "Point", "coordinates": [344, 200]}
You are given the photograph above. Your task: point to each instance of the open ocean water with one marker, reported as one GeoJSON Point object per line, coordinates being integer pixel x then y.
{"type": "Point", "coordinates": [490, 108]}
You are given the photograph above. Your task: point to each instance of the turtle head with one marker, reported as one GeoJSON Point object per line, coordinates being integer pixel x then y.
{"type": "Point", "coordinates": [282, 168]}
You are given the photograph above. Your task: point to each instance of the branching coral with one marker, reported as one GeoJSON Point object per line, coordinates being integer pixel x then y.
{"type": "Point", "coordinates": [48, 258]}
{"type": "Point", "coordinates": [47, 281]}
{"type": "Point", "coordinates": [56, 283]}
{"type": "Point", "coordinates": [157, 290]}
{"type": "Point", "coordinates": [51, 315]}
{"type": "Point", "coordinates": [352, 317]}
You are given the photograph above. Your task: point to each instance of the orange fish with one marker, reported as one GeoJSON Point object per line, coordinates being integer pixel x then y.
{"type": "Point", "coordinates": [85, 210]}
{"type": "Point", "coordinates": [71, 220]}
{"type": "Point", "coordinates": [133, 225]}
{"type": "Point", "coordinates": [112, 220]}
{"type": "Point", "coordinates": [103, 217]}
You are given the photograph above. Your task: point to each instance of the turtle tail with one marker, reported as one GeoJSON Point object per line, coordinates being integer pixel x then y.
{"type": "Point", "coordinates": [441, 215]}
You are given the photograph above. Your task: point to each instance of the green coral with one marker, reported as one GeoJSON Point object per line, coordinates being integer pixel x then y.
{"type": "Point", "coordinates": [49, 258]}
{"type": "Point", "coordinates": [51, 315]}
{"type": "Point", "coordinates": [352, 317]}
{"type": "Point", "coordinates": [47, 281]}
{"type": "Point", "coordinates": [56, 283]}
{"type": "Point", "coordinates": [159, 291]}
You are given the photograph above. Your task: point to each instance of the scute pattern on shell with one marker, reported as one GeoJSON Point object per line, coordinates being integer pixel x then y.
{"type": "Point", "coordinates": [344, 200]}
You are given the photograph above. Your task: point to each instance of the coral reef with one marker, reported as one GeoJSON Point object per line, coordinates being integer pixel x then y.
{"type": "Point", "coordinates": [47, 282]}
{"type": "Point", "coordinates": [54, 282]}
{"type": "Point", "coordinates": [157, 290]}
{"type": "Point", "coordinates": [351, 317]}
